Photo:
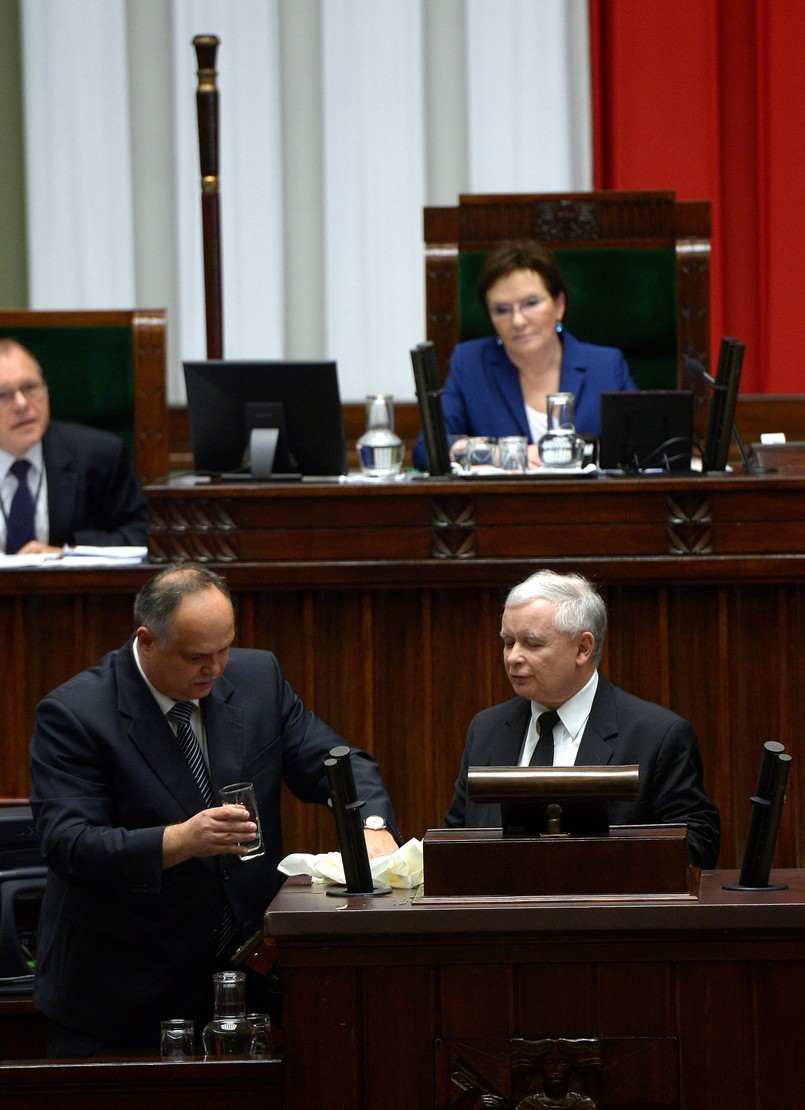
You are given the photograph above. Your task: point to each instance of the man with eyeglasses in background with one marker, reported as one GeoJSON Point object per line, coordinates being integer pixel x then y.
{"type": "Point", "coordinates": [61, 484]}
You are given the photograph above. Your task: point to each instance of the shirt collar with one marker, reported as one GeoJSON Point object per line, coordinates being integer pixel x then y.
{"type": "Point", "coordinates": [163, 701]}
{"type": "Point", "coordinates": [574, 712]}
{"type": "Point", "coordinates": [33, 455]}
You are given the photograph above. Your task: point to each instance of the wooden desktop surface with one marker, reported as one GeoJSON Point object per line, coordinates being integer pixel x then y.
{"type": "Point", "coordinates": [303, 911]}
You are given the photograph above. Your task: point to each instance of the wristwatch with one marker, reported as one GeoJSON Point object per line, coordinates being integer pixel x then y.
{"type": "Point", "coordinates": [375, 822]}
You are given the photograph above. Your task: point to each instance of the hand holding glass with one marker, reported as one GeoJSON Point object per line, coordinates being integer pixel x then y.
{"type": "Point", "coordinates": [242, 794]}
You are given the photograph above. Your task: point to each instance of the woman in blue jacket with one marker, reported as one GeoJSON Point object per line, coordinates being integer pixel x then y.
{"type": "Point", "coordinates": [498, 386]}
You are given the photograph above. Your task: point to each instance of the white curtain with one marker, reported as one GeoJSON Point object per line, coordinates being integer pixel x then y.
{"type": "Point", "coordinates": [340, 120]}
{"type": "Point", "coordinates": [78, 154]}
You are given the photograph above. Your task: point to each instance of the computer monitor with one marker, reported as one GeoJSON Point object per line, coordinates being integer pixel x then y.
{"type": "Point", "coordinates": [721, 419]}
{"type": "Point", "coordinates": [227, 398]}
{"type": "Point", "coordinates": [647, 430]}
{"type": "Point", "coordinates": [431, 416]}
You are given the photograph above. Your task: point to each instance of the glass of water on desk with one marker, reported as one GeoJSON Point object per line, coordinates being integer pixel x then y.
{"type": "Point", "coordinates": [513, 454]}
{"type": "Point", "coordinates": [177, 1041]}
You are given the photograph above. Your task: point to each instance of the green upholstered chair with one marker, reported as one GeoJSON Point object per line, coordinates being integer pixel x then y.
{"type": "Point", "coordinates": [106, 369]}
{"type": "Point", "coordinates": [636, 265]}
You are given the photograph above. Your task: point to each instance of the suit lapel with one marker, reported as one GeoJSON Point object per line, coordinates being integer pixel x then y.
{"type": "Point", "coordinates": [504, 380]}
{"type": "Point", "coordinates": [149, 731]}
{"type": "Point", "coordinates": [504, 750]}
{"type": "Point", "coordinates": [596, 745]}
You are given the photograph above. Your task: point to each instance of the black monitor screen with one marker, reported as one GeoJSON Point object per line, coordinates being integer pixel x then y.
{"type": "Point", "coordinates": [431, 416]}
{"type": "Point", "coordinates": [722, 405]}
{"type": "Point", "coordinates": [651, 429]}
{"type": "Point", "coordinates": [312, 429]}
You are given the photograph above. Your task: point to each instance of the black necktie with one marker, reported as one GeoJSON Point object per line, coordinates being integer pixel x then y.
{"type": "Point", "coordinates": [542, 755]}
{"type": "Point", "coordinates": [21, 513]}
{"type": "Point", "coordinates": [188, 742]}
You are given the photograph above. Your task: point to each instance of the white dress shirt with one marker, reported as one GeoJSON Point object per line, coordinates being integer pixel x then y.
{"type": "Point", "coordinates": [568, 730]}
{"type": "Point", "coordinates": [166, 704]}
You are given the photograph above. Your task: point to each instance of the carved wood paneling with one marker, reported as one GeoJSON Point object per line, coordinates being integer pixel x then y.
{"type": "Point", "coordinates": [683, 1016]}
{"type": "Point", "coordinates": [397, 645]}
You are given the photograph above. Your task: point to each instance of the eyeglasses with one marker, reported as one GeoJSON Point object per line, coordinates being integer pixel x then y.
{"type": "Point", "coordinates": [31, 391]}
{"type": "Point", "coordinates": [529, 305]}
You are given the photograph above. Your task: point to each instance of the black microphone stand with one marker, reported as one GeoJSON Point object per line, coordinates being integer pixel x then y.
{"type": "Point", "coordinates": [694, 367]}
{"type": "Point", "coordinates": [346, 808]}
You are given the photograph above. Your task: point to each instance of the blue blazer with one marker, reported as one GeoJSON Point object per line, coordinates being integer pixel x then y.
{"type": "Point", "coordinates": [621, 730]}
{"type": "Point", "coordinates": [482, 394]}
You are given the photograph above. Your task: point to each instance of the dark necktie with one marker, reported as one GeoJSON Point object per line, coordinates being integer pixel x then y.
{"type": "Point", "coordinates": [188, 742]}
{"type": "Point", "coordinates": [542, 756]}
{"type": "Point", "coordinates": [21, 513]}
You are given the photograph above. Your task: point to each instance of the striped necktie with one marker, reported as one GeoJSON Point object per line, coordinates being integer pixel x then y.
{"type": "Point", "coordinates": [20, 520]}
{"type": "Point", "coordinates": [188, 742]}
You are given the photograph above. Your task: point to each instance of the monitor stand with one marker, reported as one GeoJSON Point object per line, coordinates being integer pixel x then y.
{"type": "Point", "coordinates": [262, 452]}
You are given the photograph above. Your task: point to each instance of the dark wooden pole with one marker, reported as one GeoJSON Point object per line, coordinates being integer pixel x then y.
{"type": "Point", "coordinates": [207, 110]}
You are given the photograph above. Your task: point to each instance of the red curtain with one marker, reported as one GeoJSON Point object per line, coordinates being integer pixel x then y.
{"type": "Point", "coordinates": [707, 97]}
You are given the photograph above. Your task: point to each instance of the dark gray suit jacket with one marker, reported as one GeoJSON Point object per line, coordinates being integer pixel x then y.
{"type": "Point", "coordinates": [94, 496]}
{"type": "Point", "coordinates": [122, 943]}
{"type": "Point", "coordinates": [621, 730]}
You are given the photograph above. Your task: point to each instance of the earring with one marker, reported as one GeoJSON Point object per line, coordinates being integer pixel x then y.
{"type": "Point", "coordinates": [500, 342]}
{"type": "Point", "coordinates": [560, 327]}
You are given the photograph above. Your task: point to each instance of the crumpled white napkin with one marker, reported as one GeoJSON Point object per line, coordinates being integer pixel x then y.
{"type": "Point", "coordinates": [402, 868]}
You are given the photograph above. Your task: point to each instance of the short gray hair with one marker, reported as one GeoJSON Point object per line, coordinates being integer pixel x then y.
{"type": "Point", "coordinates": [579, 607]}
{"type": "Point", "coordinates": [159, 598]}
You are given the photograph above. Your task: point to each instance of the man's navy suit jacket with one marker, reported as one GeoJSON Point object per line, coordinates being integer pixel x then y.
{"type": "Point", "coordinates": [123, 943]}
{"type": "Point", "coordinates": [94, 496]}
{"type": "Point", "coordinates": [621, 730]}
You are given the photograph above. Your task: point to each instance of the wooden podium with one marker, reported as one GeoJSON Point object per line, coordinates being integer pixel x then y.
{"type": "Point", "coordinates": [633, 860]}
{"type": "Point", "coordinates": [667, 1002]}
{"type": "Point", "coordinates": [555, 839]}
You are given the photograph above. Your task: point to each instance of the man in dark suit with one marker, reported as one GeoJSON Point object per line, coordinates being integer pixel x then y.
{"type": "Point", "coordinates": [553, 629]}
{"type": "Point", "coordinates": [81, 483]}
{"type": "Point", "coordinates": [146, 894]}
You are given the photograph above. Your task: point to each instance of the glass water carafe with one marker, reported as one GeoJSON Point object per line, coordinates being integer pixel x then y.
{"type": "Point", "coordinates": [230, 1033]}
{"type": "Point", "coordinates": [380, 449]}
{"type": "Point", "coordinates": [560, 446]}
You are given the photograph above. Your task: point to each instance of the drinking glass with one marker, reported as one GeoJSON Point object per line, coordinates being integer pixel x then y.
{"type": "Point", "coordinates": [513, 453]}
{"type": "Point", "coordinates": [176, 1040]}
{"type": "Point", "coordinates": [262, 1045]}
{"type": "Point", "coordinates": [242, 793]}
{"type": "Point", "coordinates": [480, 451]}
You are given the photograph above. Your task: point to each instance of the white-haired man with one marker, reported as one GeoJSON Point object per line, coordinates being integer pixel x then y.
{"type": "Point", "coordinates": [565, 714]}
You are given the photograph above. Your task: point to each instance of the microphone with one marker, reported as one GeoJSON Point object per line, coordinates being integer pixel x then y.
{"type": "Point", "coordinates": [694, 367]}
